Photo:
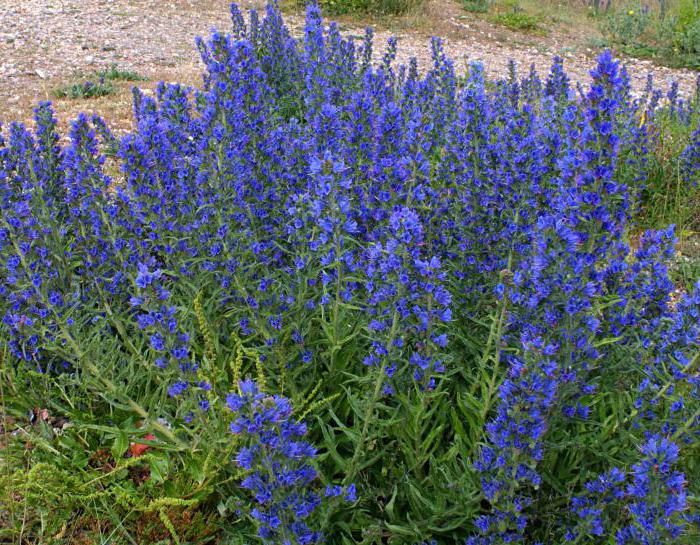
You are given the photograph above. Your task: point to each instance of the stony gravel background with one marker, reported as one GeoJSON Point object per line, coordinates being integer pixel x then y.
{"type": "Point", "coordinates": [45, 43]}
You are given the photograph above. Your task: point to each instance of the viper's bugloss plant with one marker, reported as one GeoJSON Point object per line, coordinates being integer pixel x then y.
{"type": "Point", "coordinates": [432, 307]}
{"type": "Point", "coordinates": [690, 159]}
{"type": "Point", "coordinates": [277, 464]}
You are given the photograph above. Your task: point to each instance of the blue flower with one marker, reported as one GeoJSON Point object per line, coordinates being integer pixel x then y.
{"type": "Point", "coordinates": [281, 475]}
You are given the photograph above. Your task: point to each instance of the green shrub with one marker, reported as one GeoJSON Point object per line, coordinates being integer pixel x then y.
{"type": "Point", "coordinates": [671, 33]}
{"type": "Point", "coordinates": [629, 25]}
{"type": "Point", "coordinates": [688, 11]}
{"type": "Point", "coordinates": [688, 41]}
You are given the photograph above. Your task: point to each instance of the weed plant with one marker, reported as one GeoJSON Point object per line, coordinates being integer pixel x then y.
{"type": "Point", "coordinates": [86, 89]}
{"type": "Point", "coordinates": [98, 85]}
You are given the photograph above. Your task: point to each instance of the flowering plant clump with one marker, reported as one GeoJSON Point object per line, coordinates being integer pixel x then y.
{"type": "Point", "coordinates": [431, 307]}
{"type": "Point", "coordinates": [277, 464]}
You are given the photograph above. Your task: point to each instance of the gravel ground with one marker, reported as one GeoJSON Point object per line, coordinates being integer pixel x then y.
{"type": "Point", "coordinates": [46, 43]}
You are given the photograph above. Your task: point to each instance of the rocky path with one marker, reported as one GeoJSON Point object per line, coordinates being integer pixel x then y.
{"type": "Point", "coordinates": [46, 43]}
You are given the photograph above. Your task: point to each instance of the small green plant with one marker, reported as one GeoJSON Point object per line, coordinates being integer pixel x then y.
{"type": "Point", "coordinates": [684, 44]}
{"type": "Point", "coordinates": [98, 84]}
{"type": "Point", "coordinates": [476, 6]}
{"type": "Point", "coordinates": [86, 89]}
{"type": "Point", "coordinates": [377, 7]}
{"type": "Point", "coordinates": [629, 25]}
{"type": "Point", "coordinates": [115, 74]}
{"type": "Point", "coordinates": [510, 14]}
{"type": "Point", "coordinates": [518, 21]}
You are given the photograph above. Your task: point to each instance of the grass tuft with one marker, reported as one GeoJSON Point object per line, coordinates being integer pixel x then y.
{"type": "Point", "coordinates": [115, 74]}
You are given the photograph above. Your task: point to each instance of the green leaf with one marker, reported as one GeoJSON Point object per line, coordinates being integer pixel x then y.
{"type": "Point", "coordinates": [121, 443]}
{"type": "Point", "coordinates": [80, 459]}
{"type": "Point", "coordinates": [195, 467]}
{"type": "Point", "coordinates": [159, 468]}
